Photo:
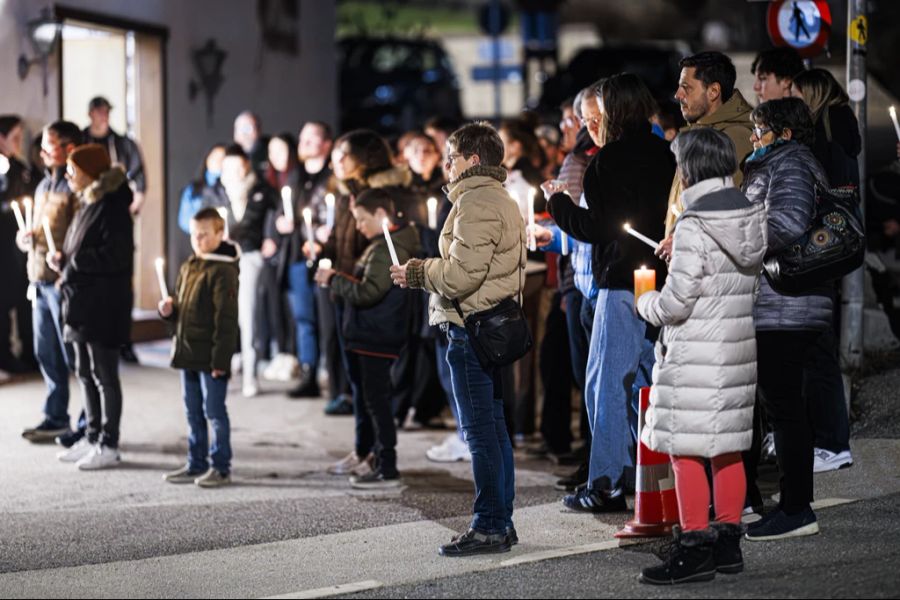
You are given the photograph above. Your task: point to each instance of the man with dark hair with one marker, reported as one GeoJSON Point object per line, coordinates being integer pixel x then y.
{"type": "Point", "coordinates": [775, 70]}
{"type": "Point", "coordinates": [708, 98]}
{"type": "Point", "coordinates": [57, 203]}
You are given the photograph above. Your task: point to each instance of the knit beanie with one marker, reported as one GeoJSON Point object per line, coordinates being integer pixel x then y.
{"type": "Point", "coordinates": [93, 159]}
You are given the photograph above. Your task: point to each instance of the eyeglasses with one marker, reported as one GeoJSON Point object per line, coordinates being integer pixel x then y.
{"type": "Point", "coordinates": [761, 131]}
{"type": "Point", "coordinates": [593, 121]}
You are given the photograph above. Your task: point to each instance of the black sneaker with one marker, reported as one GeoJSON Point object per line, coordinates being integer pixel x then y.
{"type": "Point", "coordinates": [44, 433]}
{"type": "Point", "coordinates": [340, 406]}
{"type": "Point", "coordinates": [475, 542]}
{"type": "Point", "coordinates": [308, 386]}
{"type": "Point", "coordinates": [587, 500]}
{"type": "Point", "coordinates": [782, 525]}
{"type": "Point", "coordinates": [70, 438]}
{"type": "Point", "coordinates": [375, 480]}
{"type": "Point", "coordinates": [576, 479]}
{"type": "Point", "coordinates": [691, 559]}
{"type": "Point", "coordinates": [727, 549]}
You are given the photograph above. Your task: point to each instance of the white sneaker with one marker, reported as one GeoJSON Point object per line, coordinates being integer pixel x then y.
{"type": "Point", "coordinates": [826, 460]}
{"type": "Point", "coordinates": [452, 449]}
{"type": "Point", "coordinates": [237, 364]}
{"type": "Point", "coordinates": [250, 389]}
{"type": "Point", "coordinates": [346, 465]}
{"type": "Point", "coordinates": [289, 368]}
{"type": "Point", "coordinates": [81, 449]}
{"type": "Point", "coordinates": [101, 457]}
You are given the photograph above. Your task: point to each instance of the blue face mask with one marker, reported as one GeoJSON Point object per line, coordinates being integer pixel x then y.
{"type": "Point", "coordinates": [761, 152]}
{"type": "Point", "coordinates": [212, 177]}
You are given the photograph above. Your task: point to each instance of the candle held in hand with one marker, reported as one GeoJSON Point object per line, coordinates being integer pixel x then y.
{"type": "Point", "coordinates": [223, 212]}
{"type": "Point", "coordinates": [329, 214]}
{"type": "Point", "coordinates": [307, 218]}
{"type": "Point", "coordinates": [644, 281]}
{"type": "Point", "coordinates": [161, 278]}
{"type": "Point", "coordinates": [288, 203]}
{"type": "Point", "coordinates": [532, 240]}
{"type": "Point", "coordinates": [28, 203]}
{"type": "Point", "coordinates": [432, 213]}
{"type": "Point", "coordinates": [20, 220]}
{"type": "Point", "coordinates": [893, 112]}
{"type": "Point", "coordinates": [386, 227]}
{"type": "Point", "coordinates": [640, 236]}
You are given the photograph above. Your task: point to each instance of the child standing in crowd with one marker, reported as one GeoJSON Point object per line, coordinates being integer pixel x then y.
{"type": "Point", "coordinates": [704, 380]}
{"type": "Point", "coordinates": [375, 327]}
{"type": "Point", "coordinates": [204, 311]}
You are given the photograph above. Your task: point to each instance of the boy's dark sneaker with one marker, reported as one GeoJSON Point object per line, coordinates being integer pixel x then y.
{"type": "Point", "coordinates": [690, 559]}
{"type": "Point", "coordinates": [340, 406]}
{"type": "Point", "coordinates": [44, 433]}
{"type": "Point", "coordinates": [475, 542]}
{"type": "Point", "coordinates": [587, 500]}
{"type": "Point", "coordinates": [576, 479]}
{"type": "Point", "coordinates": [375, 480]}
{"type": "Point", "coordinates": [70, 438]}
{"type": "Point", "coordinates": [727, 549]}
{"type": "Point", "coordinates": [781, 525]}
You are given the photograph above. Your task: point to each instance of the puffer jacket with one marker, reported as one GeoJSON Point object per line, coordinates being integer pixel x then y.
{"type": "Point", "coordinates": [482, 249]}
{"type": "Point", "coordinates": [732, 119]}
{"type": "Point", "coordinates": [52, 199]}
{"type": "Point", "coordinates": [784, 178]}
{"type": "Point", "coordinates": [704, 379]}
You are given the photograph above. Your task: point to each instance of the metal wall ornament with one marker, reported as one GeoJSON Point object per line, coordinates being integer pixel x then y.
{"type": "Point", "coordinates": [207, 61]}
{"type": "Point", "coordinates": [43, 33]}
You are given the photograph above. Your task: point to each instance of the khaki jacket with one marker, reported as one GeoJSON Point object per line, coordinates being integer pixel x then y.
{"type": "Point", "coordinates": [52, 199]}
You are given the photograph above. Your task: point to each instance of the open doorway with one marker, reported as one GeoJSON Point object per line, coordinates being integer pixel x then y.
{"type": "Point", "coordinates": [124, 62]}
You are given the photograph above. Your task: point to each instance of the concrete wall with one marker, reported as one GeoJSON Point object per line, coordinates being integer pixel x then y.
{"type": "Point", "coordinates": [284, 90]}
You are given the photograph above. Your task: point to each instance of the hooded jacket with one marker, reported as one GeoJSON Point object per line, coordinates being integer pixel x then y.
{"type": "Point", "coordinates": [732, 119]}
{"type": "Point", "coordinates": [98, 256]}
{"type": "Point", "coordinates": [205, 311]}
{"type": "Point", "coordinates": [704, 379]}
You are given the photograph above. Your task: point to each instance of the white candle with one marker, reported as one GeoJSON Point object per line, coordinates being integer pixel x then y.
{"type": "Point", "coordinates": [29, 214]}
{"type": "Point", "coordinates": [565, 243]}
{"type": "Point", "coordinates": [161, 278]}
{"type": "Point", "coordinates": [432, 213]}
{"type": "Point", "coordinates": [19, 219]}
{"type": "Point", "coordinates": [307, 218]}
{"type": "Point", "coordinates": [223, 212]}
{"type": "Point", "coordinates": [51, 245]}
{"type": "Point", "coordinates": [675, 211]}
{"type": "Point", "coordinates": [325, 263]}
{"type": "Point", "coordinates": [329, 213]}
{"type": "Point", "coordinates": [532, 240]}
{"type": "Point", "coordinates": [385, 225]}
{"type": "Point", "coordinates": [4, 165]}
{"type": "Point", "coordinates": [893, 112]}
{"type": "Point", "coordinates": [288, 203]}
{"type": "Point", "coordinates": [641, 236]}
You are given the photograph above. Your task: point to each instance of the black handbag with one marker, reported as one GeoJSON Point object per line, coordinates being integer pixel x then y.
{"type": "Point", "coordinates": [499, 335]}
{"type": "Point", "coordinates": [833, 246]}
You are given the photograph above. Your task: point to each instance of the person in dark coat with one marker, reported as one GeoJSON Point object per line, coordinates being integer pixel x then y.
{"type": "Point", "coordinates": [96, 264]}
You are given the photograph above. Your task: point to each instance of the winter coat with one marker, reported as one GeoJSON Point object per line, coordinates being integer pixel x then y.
{"type": "Point", "coordinates": [122, 151]}
{"type": "Point", "coordinates": [98, 255]}
{"type": "Point", "coordinates": [52, 199]}
{"type": "Point", "coordinates": [627, 181]}
{"type": "Point", "coordinates": [199, 195]}
{"type": "Point", "coordinates": [784, 178]}
{"type": "Point", "coordinates": [482, 249]}
{"type": "Point", "coordinates": [377, 314]}
{"type": "Point", "coordinates": [704, 379]}
{"type": "Point", "coordinates": [205, 311]}
{"type": "Point", "coordinates": [838, 145]}
{"type": "Point", "coordinates": [732, 119]}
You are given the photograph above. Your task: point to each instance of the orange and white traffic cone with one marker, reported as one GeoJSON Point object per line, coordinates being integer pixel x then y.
{"type": "Point", "coordinates": [655, 502]}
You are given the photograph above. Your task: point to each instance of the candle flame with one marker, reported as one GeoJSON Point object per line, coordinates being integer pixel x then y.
{"type": "Point", "coordinates": [329, 199]}
{"type": "Point", "coordinates": [432, 202]}
{"type": "Point", "coordinates": [160, 262]}
{"type": "Point", "coordinates": [286, 192]}
{"type": "Point", "coordinates": [627, 227]}
{"type": "Point", "coordinates": [307, 213]}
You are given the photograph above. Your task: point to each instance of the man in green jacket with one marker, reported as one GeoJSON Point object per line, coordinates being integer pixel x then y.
{"type": "Point", "coordinates": [204, 311]}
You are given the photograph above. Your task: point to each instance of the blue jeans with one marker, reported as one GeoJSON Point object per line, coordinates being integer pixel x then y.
{"type": "Point", "coordinates": [302, 295]}
{"type": "Point", "coordinates": [479, 404]}
{"type": "Point", "coordinates": [204, 398]}
{"type": "Point", "coordinates": [441, 345]}
{"type": "Point", "coordinates": [620, 361]}
{"type": "Point", "coordinates": [53, 354]}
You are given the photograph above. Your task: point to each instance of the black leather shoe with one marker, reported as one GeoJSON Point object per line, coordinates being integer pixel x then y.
{"type": "Point", "coordinates": [512, 536]}
{"type": "Point", "coordinates": [475, 542]}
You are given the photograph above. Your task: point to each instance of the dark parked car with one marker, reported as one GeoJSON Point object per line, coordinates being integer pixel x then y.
{"type": "Point", "coordinates": [395, 84]}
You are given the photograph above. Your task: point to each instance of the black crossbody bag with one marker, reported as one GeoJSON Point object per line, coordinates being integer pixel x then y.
{"type": "Point", "coordinates": [500, 335]}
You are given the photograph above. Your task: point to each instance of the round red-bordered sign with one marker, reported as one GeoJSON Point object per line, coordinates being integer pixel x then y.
{"type": "Point", "coordinates": [804, 25]}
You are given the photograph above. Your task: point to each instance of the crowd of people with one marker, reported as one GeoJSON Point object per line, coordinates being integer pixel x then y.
{"type": "Point", "coordinates": [359, 256]}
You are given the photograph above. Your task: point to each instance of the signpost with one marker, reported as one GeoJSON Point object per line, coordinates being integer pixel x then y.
{"type": "Point", "coordinates": [804, 25]}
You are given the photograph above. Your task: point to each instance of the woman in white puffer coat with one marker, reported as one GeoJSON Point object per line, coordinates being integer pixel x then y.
{"type": "Point", "coordinates": [704, 381]}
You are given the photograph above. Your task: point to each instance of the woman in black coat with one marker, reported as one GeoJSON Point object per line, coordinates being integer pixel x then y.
{"type": "Point", "coordinates": [96, 266]}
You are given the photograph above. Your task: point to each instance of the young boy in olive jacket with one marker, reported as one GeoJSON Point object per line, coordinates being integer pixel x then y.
{"type": "Point", "coordinates": [204, 311]}
{"type": "Point", "coordinates": [376, 326]}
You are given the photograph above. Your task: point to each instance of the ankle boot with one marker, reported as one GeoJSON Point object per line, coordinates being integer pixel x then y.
{"type": "Point", "coordinates": [691, 559]}
{"type": "Point", "coordinates": [308, 386]}
{"type": "Point", "coordinates": [727, 549]}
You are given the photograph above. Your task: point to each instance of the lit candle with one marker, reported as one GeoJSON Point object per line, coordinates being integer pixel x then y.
{"type": "Point", "coordinates": [223, 212]}
{"type": "Point", "coordinates": [385, 225]}
{"type": "Point", "coordinates": [4, 165]}
{"type": "Point", "coordinates": [644, 281]}
{"type": "Point", "coordinates": [893, 112]}
{"type": "Point", "coordinates": [325, 265]}
{"type": "Point", "coordinates": [19, 219]}
{"type": "Point", "coordinates": [29, 214]}
{"type": "Point", "coordinates": [641, 236]}
{"type": "Point", "coordinates": [161, 278]}
{"type": "Point", "coordinates": [307, 218]}
{"type": "Point", "coordinates": [532, 240]}
{"type": "Point", "coordinates": [432, 213]}
{"type": "Point", "coordinates": [675, 211]}
{"type": "Point", "coordinates": [329, 214]}
{"type": "Point", "coordinates": [288, 203]}
{"type": "Point", "coordinates": [51, 245]}
{"type": "Point", "coordinates": [565, 243]}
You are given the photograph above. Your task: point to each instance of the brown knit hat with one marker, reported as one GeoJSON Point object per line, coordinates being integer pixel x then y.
{"type": "Point", "coordinates": [93, 159]}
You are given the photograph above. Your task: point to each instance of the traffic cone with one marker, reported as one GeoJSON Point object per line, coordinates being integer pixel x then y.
{"type": "Point", "coordinates": [655, 502]}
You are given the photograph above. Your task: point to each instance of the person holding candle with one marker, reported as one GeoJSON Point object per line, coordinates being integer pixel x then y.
{"type": "Point", "coordinates": [204, 315]}
{"type": "Point", "coordinates": [56, 200]}
{"type": "Point", "coordinates": [628, 180]}
{"type": "Point", "coordinates": [96, 262]}
{"type": "Point", "coordinates": [704, 380]}
{"type": "Point", "coordinates": [482, 263]}
{"type": "Point", "coordinates": [374, 326]}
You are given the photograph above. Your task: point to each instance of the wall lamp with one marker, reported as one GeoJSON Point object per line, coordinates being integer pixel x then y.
{"type": "Point", "coordinates": [43, 33]}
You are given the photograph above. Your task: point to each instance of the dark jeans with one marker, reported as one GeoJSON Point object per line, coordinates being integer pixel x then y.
{"type": "Point", "coordinates": [330, 346]}
{"type": "Point", "coordinates": [273, 324]}
{"type": "Point", "coordinates": [824, 390]}
{"type": "Point", "coordinates": [556, 374]}
{"type": "Point", "coordinates": [780, 359]}
{"type": "Point", "coordinates": [375, 388]}
{"type": "Point", "coordinates": [53, 354]}
{"type": "Point", "coordinates": [365, 435]}
{"type": "Point", "coordinates": [204, 399]}
{"type": "Point", "coordinates": [98, 372]}
{"type": "Point", "coordinates": [478, 396]}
